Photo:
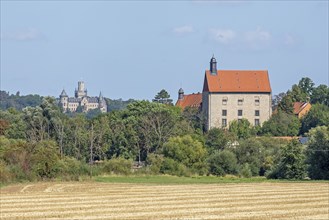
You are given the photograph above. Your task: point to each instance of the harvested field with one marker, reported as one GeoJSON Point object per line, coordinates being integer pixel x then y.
{"type": "Point", "coordinates": [92, 200]}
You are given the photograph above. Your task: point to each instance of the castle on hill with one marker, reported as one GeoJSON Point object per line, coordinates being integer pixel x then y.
{"type": "Point", "coordinates": [71, 104]}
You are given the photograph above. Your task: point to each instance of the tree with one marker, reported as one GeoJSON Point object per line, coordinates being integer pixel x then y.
{"type": "Point", "coordinates": [277, 99]}
{"type": "Point", "coordinates": [286, 104]}
{"type": "Point", "coordinates": [297, 94]}
{"type": "Point", "coordinates": [76, 137]}
{"type": "Point", "coordinates": [241, 128]}
{"type": "Point", "coordinates": [292, 163]}
{"type": "Point", "coordinates": [317, 116]}
{"type": "Point", "coordinates": [13, 125]}
{"type": "Point", "coordinates": [281, 124]}
{"type": "Point", "coordinates": [163, 97]}
{"type": "Point", "coordinates": [45, 159]}
{"type": "Point", "coordinates": [222, 163]}
{"type": "Point", "coordinates": [217, 139]}
{"type": "Point", "coordinates": [195, 118]}
{"type": "Point", "coordinates": [36, 124]}
{"type": "Point", "coordinates": [306, 85]}
{"type": "Point", "coordinates": [250, 151]}
{"type": "Point", "coordinates": [154, 123]}
{"type": "Point", "coordinates": [320, 95]}
{"type": "Point", "coordinates": [17, 101]}
{"type": "Point", "coordinates": [186, 150]}
{"type": "Point", "coordinates": [318, 153]}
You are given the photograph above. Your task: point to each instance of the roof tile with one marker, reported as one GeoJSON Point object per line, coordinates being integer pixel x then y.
{"type": "Point", "coordinates": [192, 100]}
{"type": "Point", "coordinates": [237, 81]}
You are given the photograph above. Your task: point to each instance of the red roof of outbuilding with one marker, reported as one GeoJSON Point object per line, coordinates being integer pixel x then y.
{"type": "Point", "coordinates": [300, 106]}
{"type": "Point", "coordinates": [192, 100]}
{"type": "Point", "coordinates": [237, 81]}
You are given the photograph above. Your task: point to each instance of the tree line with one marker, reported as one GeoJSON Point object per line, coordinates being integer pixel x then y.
{"type": "Point", "coordinates": [41, 142]}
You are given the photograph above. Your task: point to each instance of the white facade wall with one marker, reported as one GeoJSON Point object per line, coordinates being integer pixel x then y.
{"type": "Point", "coordinates": [213, 105]}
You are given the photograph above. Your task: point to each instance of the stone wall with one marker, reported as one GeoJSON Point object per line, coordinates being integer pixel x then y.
{"type": "Point", "coordinates": [247, 102]}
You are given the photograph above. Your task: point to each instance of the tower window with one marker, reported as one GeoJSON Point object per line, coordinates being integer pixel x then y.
{"type": "Point", "coordinates": [224, 101]}
{"type": "Point", "coordinates": [257, 123]}
{"type": "Point", "coordinates": [240, 101]}
{"type": "Point", "coordinates": [239, 112]}
{"type": "Point", "coordinates": [256, 112]}
{"type": "Point", "coordinates": [224, 112]}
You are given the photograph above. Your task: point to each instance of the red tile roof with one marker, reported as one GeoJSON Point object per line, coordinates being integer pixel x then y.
{"type": "Point", "coordinates": [192, 100]}
{"type": "Point", "coordinates": [298, 106]}
{"type": "Point", "coordinates": [237, 81]}
{"type": "Point", "coordinates": [301, 108]}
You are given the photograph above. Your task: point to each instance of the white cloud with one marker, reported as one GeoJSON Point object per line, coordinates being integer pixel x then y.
{"type": "Point", "coordinates": [257, 35]}
{"type": "Point", "coordinates": [257, 39]}
{"type": "Point", "coordinates": [221, 35]}
{"type": "Point", "coordinates": [23, 35]}
{"type": "Point", "coordinates": [289, 40]}
{"type": "Point", "coordinates": [183, 30]}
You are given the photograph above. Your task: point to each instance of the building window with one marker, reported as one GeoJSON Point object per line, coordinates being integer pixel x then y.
{"type": "Point", "coordinates": [240, 101]}
{"type": "Point", "coordinates": [257, 100]}
{"type": "Point", "coordinates": [256, 112]}
{"type": "Point", "coordinates": [239, 112]}
{"type": "Point", "coordinates": [224, 101]}
{"type": "Point", "coordinates": [224, 112]}
{"type": "Point", "coordinates": [224, 122]}
{"type": "Point", "coordinates": [257, 123]}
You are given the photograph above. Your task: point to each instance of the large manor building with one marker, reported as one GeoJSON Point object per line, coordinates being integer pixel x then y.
{"type": "Point", "coordinates": [70, 104]}
{"type": "Point", "coordinates": [229, 95]}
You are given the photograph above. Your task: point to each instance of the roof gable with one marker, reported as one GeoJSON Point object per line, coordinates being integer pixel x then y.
{"type": "Point", "coordinates": [237, 81]}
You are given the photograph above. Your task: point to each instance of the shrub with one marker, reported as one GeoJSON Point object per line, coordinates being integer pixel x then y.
{"type": "Point", "coordinates": [185, 150]}
{"type": "Point", "coordinates": [118, 166]}
{"type": "Point", "coordinates": [71, 169]}
{"type": "Point", "coordinates": [154, 162]}
{"type": "Point", "coordinates": [292, 163]}
{"type": "Point", "coordinates": [5, 174]}
{"type": "Point", "coordinates": [222, 163]}
{"type": "Point", "coordinates": [45, 160]}
{"type": "Point", "coordinates": [172, 167]}
{"type": "Point", "coordinates": [245, 171]}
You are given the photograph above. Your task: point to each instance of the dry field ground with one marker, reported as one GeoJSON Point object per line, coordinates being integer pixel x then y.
{"type": "Point", "coordinates": [92, 200]}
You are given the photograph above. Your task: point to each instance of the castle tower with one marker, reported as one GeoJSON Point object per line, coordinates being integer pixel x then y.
{"type": "Point", "coordinates": [102, 103]}
{"type": "Point", "coordinates": [81, 91]}
{"type": "Point", "coordinates": [64, 100]}
{"type": "Point", "coordinates": [213, 66]}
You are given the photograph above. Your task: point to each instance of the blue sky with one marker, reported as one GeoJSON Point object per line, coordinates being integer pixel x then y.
{"type": "Point", "coordinates": [133, 49]}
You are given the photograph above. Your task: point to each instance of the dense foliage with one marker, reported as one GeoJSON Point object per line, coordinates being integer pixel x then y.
{"type": "Point", "coordinates": [41, 142]}
{"type": "Point", "coordinates": [17, 101]}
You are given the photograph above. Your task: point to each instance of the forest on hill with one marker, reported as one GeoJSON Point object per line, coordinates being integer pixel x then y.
{"type": "Point", "coordinates": [42, 142]}
{"type": "Point", "coordinates": [19, 102]}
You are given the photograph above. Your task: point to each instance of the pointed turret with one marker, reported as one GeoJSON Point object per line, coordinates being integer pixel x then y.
{"type": "Point", "coordinates": [100, 98]}
{"type": "Point", "coordinates": [63, 94]}
{"type": "Point", "coordinates": [180, 94]}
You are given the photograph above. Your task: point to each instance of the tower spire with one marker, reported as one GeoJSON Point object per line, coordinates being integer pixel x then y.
{"type": "Point", "coordinates": [213, 65]}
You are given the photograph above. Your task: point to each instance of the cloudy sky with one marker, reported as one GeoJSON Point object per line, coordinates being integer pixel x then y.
{"type": "Point", "coordinates": [133, 49]}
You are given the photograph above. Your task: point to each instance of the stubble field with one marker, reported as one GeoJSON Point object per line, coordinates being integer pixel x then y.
{"type": "Point", "coordinates": [92, 200]}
